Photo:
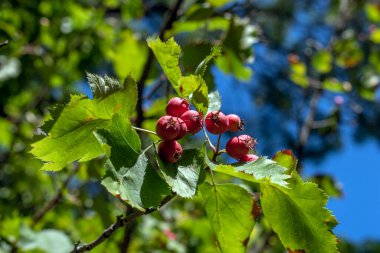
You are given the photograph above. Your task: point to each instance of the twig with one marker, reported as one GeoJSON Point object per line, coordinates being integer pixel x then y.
{"type": "Point", "coordinates": [120, 222]}
{"type": "Point", "coordinates": [148, 65]}
{"type": "Point", "coordinates": [307, 125]}
{"type": "Point", "coordinates": [2, 44]}
{"type": "Point", "coordinates": [54, 201]}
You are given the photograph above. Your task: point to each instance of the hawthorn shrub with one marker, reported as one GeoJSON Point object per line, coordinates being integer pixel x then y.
{"type": "Point", "coordinates": [84, 129]}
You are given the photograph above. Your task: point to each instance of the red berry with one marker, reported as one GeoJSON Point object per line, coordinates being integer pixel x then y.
{"type": "Point", "coordinates": [169, 151]}
{"type": "Point", "coordinates": [167, 127]}
{"type": "Point", "coordinates": [182, 129]}
{"type": "Point", "coordinates": [235, 123]}
{"type": "Point", "coordinates": [177, 106]}
{"type": "Point", "coordinates": [193, 120]}
{"type": "Point", "coordinates": [248, 158]}
{"type": "Point", "coordinates": [216, 122]}
{"type": "Point", "coordinates": [237, 147]}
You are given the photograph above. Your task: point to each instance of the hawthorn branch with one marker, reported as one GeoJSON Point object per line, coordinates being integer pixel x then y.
{"type": "Point", "coordinates": [120, 222]}
{"type": "Point", "coordinates": [172, 16]}
{"type": "Point", "coordinates": [54, 201]}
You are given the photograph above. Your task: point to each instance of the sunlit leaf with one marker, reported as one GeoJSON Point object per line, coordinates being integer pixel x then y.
{"type": "Point", "coordinates": [229, 209]}
{"type": "Point", "coordinates": [167, 54]}
{"type": "Point", "coordinates": [71, 127]}
{"type": "Point", "coordinates": [299, 217]}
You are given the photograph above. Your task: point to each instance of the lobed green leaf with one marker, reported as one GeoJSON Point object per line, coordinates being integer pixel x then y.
{"type": "Point", "coordinates": [70, 130]}
{"type": "Point", "coordinates": [167, 54]}
{"type": "Point", "coordinates": [299, 217]}
{"type": "Point", "coordinates": [229, 208]}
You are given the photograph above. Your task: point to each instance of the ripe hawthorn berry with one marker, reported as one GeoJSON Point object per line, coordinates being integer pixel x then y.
{"type": "Point", "coordinates": [216, 122]}
{"type": "Point", "coordinates": [170, 151]}
{"type": "Point", "coordinates": [239, 146]}
{"type": "Point", "coordinates": [235, 123]}
{"type": "Point", "coordinates": [167, 127]}
{"type": "Point", "coordinates": [248, 158]}
{"type": "Point", "coordinates": [193, 121]}
{"type": "Point", "coordinates": [182, 129]}
{"type": "Point", "coordinates": [177, 106]}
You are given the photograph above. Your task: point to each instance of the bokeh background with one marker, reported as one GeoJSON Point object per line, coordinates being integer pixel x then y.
{"type": "Point", "coordinates": [303, 74]}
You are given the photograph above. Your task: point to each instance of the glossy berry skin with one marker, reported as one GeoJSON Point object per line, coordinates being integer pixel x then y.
{"type": "Point", "coordinates": [177, 106]}
{"type": "Point", "coordinates": [235, 123]}
{"type": "Point", "coordinates": [238, 147]}
{"type": "Point", "coordinates": [170, 151]}
{"type": "Point", "coordinates": [167, 127]}
{"type": "Point", "coordinates": [248, 158]}
{"type": "Point", "coordinates": [182, 129]}
{"type": "Point", "coordinates": [216, 122]}
{"type": "Point", "coordinates": [193, 121]}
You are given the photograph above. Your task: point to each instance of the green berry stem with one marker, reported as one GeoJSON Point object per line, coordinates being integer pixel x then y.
{"type": "Point", "coordinates": [144, 130]}
{"type": "Point", "coordinates": [216, 151]}
{"type": "Point", "coordinates": [209, 141]}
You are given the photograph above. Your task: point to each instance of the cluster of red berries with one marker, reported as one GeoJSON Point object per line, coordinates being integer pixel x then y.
{"type": "Point", "coordinates": [181, 120]}
{"type": "Point", "coordinates": [174, 126]}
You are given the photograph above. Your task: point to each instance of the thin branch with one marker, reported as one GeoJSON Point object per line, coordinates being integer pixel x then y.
{"type": "Point", "coordinates": [54, 201]}
{"type": "Point", "coordinates": [3, 44]}
{"type": "Point", "coordinates": [120, 222]}
{"type": "Point", "coordinates": [307, 125]}
{"type": "Point", "coordinates": [172, 16]}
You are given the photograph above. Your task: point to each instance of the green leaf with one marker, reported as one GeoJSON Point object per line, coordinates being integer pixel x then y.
{"type": "Point", "coordinates": [333, 84]}
{"type": "Point", "coordinates": [375, 36]}
{"type": "Point", "coordinates": [299, 217]}
{"type": "Point", "coordinates": [44, 241]}
{"type": "Point", "coordinates": [263, 170]}
{"type": "Point", "coordinates": [286, 159]}
{"type": "Point", "coordinates": [322, 61]}
{"type": "Point", "coordinates": [101, 87]}
{"type": "Point", "coordinates": [216, 51]}
{"type": "Point", "coordinates": [298, 74]}
{"type": "Point", "coordinates": [199, 97]}
{"type": "Point", "coordinates": [167, 54]}
{"type": "Point", "coordinates": [71, 127]}
{"type": "Point", "coordinates": [219, 3]}
{"type": "Point", "coordinates": [129, 175]}
{"type": "Point", "coordinates": [128, 47]}
{"type": "Point", "coordinates": [214, 101]}
{"type": "Point", "coordinates": [373, 12]}
{"type": "Point", "coordinates": [184, 176]}
{"type": "Point", "coordinates": [230, 63]}
{"type": "Point", "coordinates": [229, 209]}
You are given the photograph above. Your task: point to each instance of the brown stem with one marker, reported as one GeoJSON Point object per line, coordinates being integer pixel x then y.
{"type": "Point", "coordinates": [172, 16]}
{"type": "Point", "coordinates": [54, 201]}
{"type": "Point", "coordinates": [120, 222]}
